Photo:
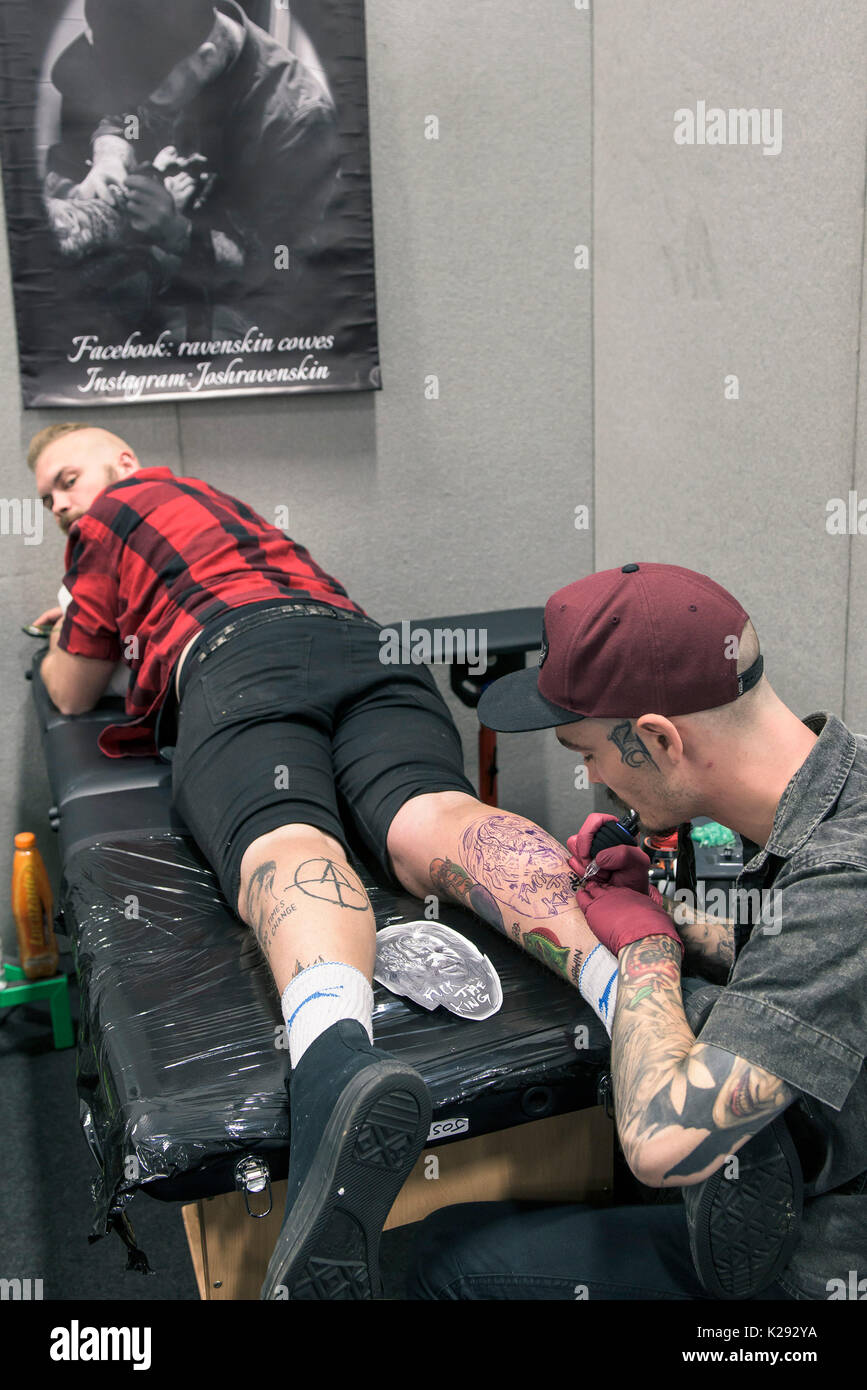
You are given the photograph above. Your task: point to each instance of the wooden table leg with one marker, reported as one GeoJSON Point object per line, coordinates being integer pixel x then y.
{"type": "Point", "coordinates": [560, 1159]}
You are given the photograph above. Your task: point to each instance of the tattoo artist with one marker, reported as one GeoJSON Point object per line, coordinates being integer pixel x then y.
{"type": "Point", "coordinates": [750, 1098]}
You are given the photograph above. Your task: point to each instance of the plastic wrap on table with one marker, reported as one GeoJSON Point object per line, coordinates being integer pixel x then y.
{"type": "Point", "coordinates": [182, 1055]}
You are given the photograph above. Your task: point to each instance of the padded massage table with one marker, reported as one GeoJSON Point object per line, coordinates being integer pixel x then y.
{"type": "Point", "coordinates": [181, 1048]}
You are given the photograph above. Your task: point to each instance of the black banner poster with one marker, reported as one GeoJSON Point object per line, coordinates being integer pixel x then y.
{"type": "Point", "coordinates": [187, 188]}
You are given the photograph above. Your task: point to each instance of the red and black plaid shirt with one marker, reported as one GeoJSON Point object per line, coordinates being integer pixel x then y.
{"type": "Point", "coordinates": [154, 559]}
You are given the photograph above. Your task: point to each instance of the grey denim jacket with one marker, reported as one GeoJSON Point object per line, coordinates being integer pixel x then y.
{"type": "Point", "coordinates": [796, 998]}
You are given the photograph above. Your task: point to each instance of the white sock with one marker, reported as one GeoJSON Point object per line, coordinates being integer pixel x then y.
{"type": "Point", "coordinates": [320, 996]}
{"type": "Point", "coordinates": [597, 983]}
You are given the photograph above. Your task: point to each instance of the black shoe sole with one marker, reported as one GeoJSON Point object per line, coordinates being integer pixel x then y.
{"type": "Point", "coordinates": [743, 1230]}
{"type": "Point", "coordinates": [328, 1247]}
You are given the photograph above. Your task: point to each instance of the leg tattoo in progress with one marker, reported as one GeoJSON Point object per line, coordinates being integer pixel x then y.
{"type": "Point", "coordinates": [521, 865]}
{"type": "Point", "coordinates": [512, 868]}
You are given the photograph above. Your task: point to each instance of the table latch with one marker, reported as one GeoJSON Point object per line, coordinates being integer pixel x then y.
{"type": "Point", "coordinates": [253, 1175]}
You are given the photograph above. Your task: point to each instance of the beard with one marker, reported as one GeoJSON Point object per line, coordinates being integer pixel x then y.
{"type": "Point", "coordinates": [111, 474]}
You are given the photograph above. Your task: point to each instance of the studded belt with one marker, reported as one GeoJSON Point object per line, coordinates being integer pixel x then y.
{"type": "Point", "coordinates": [209, 641]}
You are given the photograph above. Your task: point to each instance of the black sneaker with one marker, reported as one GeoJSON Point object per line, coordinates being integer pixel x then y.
{"type": "Point", "coordinates": [359, 1120]}
{"type": "Point", "coordinates": [743, 1230]}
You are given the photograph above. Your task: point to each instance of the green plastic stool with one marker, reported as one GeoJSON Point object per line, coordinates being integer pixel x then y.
{"type": "Point", "coordinates": [55, 990]}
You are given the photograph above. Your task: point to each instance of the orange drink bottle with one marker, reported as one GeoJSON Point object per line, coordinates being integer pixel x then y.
{"type": "Point", "coordinates": [32, 908]}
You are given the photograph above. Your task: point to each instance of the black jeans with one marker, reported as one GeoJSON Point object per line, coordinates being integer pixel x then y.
{"type": "Point", "coordinates": [521, 1250]}
{"type": "Point", "coordinates": [293, 719]}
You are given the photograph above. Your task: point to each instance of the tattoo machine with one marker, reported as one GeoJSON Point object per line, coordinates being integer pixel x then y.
{"type": "Point", "coordinates": [613, 832]}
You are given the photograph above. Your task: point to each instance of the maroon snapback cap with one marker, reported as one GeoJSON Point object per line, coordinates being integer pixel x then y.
{"type": "Point", "coordinates": [642, 639]}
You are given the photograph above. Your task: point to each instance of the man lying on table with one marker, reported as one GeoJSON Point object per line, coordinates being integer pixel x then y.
{"type": "Point", "coordinates": [653, 674]}
{"type": "Point", "coordinates": [268, 682]}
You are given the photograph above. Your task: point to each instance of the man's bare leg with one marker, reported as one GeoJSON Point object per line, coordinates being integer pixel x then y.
{"type": "Point", "coordinates": [359, 1118]}
{"type": "Point", "coordinates": [305, 904]}
{"type": "Point", "coordinates": [503, 867]}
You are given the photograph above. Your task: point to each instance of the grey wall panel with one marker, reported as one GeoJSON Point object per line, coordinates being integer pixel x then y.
{"type": "Point", "coordinates": [855, 707]}
{"type": "Point", "coordinates": [716, 260]}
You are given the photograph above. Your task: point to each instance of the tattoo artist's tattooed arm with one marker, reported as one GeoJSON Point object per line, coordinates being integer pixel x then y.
{"type": "Point", "coordinates": [683, 1107]}
{"type": "Point", "coordinates": [709, 942]}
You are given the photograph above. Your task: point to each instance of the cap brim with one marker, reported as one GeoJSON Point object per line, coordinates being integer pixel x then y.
{"type": "Point", "coordinates": [513, 705]}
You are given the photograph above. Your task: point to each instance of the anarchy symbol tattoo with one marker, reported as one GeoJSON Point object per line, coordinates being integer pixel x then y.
{"type": "Point", "coordinates": [331, 883]}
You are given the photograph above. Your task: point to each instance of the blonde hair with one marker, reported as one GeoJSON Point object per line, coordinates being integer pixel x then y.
{"type": "Point", "coordinates": [40, 442]}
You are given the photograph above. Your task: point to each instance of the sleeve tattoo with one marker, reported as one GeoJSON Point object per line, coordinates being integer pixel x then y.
{"type": "Point", "coordinates": [708, 941]}
{"type": "Point", "coordinates": [682, 1106]}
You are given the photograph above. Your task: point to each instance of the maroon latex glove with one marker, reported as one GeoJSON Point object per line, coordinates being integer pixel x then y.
{"type": "Point", "coordinates": [621, 866]}
{"type": "Point", "coordinates": [580, 845]}
{"type": "Point", "coordinates": [619, 916]}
